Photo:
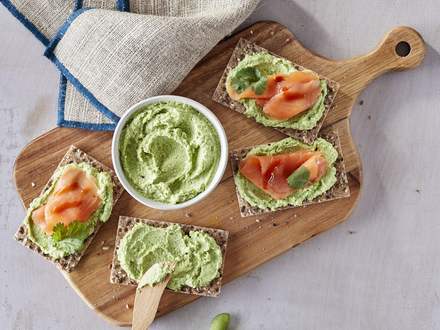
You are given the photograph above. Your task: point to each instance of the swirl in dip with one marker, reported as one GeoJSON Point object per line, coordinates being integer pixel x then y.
{"type": "Point", "coordinates": [169, 152]}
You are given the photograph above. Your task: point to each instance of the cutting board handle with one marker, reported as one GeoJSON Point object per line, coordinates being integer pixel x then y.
{"type": "Point", "coordinates": [402, 48]}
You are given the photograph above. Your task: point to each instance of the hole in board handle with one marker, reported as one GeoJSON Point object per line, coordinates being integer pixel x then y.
{"type": "Point", "coordinates": [403, 49]}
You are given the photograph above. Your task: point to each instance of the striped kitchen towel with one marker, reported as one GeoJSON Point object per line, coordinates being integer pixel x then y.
{"type": "Point", "coordinates": [114, 53]}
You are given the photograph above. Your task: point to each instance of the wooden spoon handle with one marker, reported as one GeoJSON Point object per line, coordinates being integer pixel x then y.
{"type": "Point", "coordinates": [145, 305]}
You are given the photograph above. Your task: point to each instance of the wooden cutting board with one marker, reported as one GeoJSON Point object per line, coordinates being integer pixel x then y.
{"type": "Point", "coordinates": [251, 242]}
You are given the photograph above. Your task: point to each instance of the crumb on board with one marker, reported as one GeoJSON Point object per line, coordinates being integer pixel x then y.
{"type": "Point", "coordinates": [251, 32]}
{"type": "Point", "coordinates": [105, 248]}
{"type": "Point", "coordinates": [351, 232]}
{"type": "Point", "coordinates": [369, 117]}
{"type": "Point", "coordinates": [257, 220]}
{"type": "Point", "coordinates": [33, 184]}
{"type": "Point", "coordinates": [288, 40]}
{"type": "Point", "coordinates": [127, 306]}
{"type": "Point", "coordinates": [361, 102]}
{"type": "Point", "coordinates": [274, 224]}
{"type": "Point", "coordinates": [272, 33]}
{"type": "Point", "coordinates": [418, 191]}
{"type": "Point", "coordinates": [188, 215]}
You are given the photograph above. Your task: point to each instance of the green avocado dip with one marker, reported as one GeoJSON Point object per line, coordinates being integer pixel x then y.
{"type": "Point", "coordinates": [169, 152]}
{"type": "Point", "coordinates": [266, 64]}
{"type": "Point", "coordinates": [196, 256]}
{"type": "Point", "coordinates": [258, 198]}
{"type": "Point", "coordinates": [68, 240]}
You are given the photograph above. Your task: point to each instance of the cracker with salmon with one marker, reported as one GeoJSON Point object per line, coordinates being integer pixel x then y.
{"type": "Point", "coordinates": [279, 98]}
{"type": "Point", "coordinates": [119, 276]}
{"type": "Point", "coordinates": [340, 188]}
{"type": "Point", "coordinates": [72, 158]}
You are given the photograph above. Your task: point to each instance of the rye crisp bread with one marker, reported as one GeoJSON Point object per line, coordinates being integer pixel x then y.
{"type": "Point", "coordinates": [245, 47]}
{"type": "Point", "coordinates": [340, 189]}
{"type": "Point", "coordinates": [68, 263]}
{"type": "Point", "coordinates": [119, 276]}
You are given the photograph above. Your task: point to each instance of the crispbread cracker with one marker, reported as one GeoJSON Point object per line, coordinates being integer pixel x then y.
{"type": "Point", "coordinates": [340, 189]}
{"type": "Point", "coordinates": [68, 263]}
{"type": "Point", "coordinates": [119, 276]}
{"type": "Point", "coordinates": [245, 47]}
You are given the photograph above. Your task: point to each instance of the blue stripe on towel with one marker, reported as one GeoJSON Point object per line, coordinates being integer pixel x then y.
{"type": "Point", "coordinates": [73, 80]}
{"type": "Point", "coordinates": [122, 5]}
{"type": "Point", "coordinates": [27, 23]}
{"type": "Point", "coordinates": [80, 87]}
{"type": "Point", "coordinates": [60, 34]}
{"type": "Point", "coordinates": [71, 123]}
{"type": "Point", "coordinates": [78, 4]}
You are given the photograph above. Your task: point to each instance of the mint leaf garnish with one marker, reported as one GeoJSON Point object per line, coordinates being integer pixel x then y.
{"type": "Point", "coordinates": [299, 178]}
{"type": "Point", "coordinates": [260, 86]}
{"type": "Point", "coordinates": [75, 229]}
{"type": "Point", "coordinates": [249, 77]}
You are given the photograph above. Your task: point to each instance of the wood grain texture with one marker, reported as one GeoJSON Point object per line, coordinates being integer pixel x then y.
{"type": "Point", "coordinates": [146, 302]}
{"type": "Point", "coordinates": [251, 243]}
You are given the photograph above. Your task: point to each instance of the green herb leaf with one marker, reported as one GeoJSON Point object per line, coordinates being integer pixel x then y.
{"type": "Point", "coordinates": [75, 229]}
{"type": "Point", "coordinates": [299, 178]}
{"type": "Point", "coordinates": [220, 322]}
{"type": "Point", "coordinates": [249, 77]}
{"type": "Point", "coordinates": [260, 85]}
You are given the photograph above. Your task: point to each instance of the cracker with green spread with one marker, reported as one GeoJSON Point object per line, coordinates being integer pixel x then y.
{"type": "Point", "coordinates": [65, 245]}
{"type": "Point", "coordinates": [332, 185]}
{"type": "Point", "coordinates": [249, 68]}
{"type": "Point", "coordinates": [197, 253]}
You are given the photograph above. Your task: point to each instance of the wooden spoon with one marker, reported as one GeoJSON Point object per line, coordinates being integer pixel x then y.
{"type": "Point", "coordinates": [148, 293]}
{"type": "Point", "coordinates": [146, 303]}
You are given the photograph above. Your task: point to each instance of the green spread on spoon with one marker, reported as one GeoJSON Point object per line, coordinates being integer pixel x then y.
{"type": "Point", "coordinates": [156, 274]}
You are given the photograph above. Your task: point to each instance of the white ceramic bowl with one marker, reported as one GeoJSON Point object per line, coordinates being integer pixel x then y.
{"type": "Point", "coordinates": [220, 168]}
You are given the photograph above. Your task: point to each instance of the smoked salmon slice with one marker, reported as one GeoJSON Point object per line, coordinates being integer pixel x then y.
{"type": "Point", "coordinates": [293, 100]}
{"type": "Point", "coordinates": [74, 198]}
{"type": "Point", "coordinates": [271, 173]}
{"type": "Point", "coordinates": [285, 95]}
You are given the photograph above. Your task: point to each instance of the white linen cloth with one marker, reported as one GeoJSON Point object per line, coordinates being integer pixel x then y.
{"type": "Point", "coordinates": [110, 59]}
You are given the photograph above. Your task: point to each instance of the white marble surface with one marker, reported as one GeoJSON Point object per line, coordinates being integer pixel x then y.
{"type": "Point", "coordinates": [385, 275]}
